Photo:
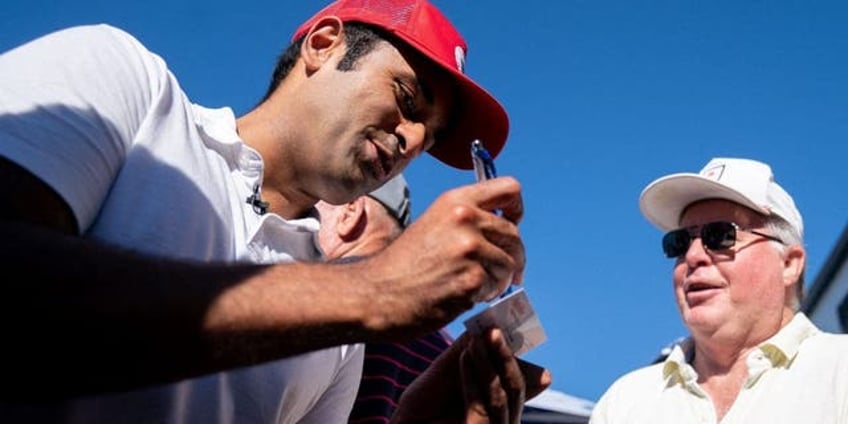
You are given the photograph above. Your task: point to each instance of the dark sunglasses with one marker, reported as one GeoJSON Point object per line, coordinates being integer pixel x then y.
{"type": "Point", "coordinates": [717, 235]}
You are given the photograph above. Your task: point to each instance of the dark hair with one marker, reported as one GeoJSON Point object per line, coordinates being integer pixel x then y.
{"type": "Point", "coordinates": [360, 39]}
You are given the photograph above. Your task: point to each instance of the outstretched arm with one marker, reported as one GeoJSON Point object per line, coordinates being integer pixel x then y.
{"type": "Point", "coordinates": [89, 317]}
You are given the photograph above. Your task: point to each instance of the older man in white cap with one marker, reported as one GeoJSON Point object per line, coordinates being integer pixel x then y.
{"type": "Point", "coordinates": [736, 238]}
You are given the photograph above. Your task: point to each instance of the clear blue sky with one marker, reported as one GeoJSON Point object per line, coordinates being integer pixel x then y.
{"type": "Point", "coordinates": [603, 96]}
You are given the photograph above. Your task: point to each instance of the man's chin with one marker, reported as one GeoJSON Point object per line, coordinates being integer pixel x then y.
{"type": "Point", "coordinates": [703, 318]}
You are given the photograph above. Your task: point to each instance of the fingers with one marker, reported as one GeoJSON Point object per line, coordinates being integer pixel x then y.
{"type": "Point", "coordinates": [475, 399]}
{"type": "Point", "coordinates": [536, 378]}
{"type": "Point", "coordinates": [457, 253]}
{"type": "Point", "coordinates": [493, 383]}
{"type": "Point", "coordinates": [510, 377]}
{"type": "Point", "coordinates": [500, 250]}
{"type": "Point", "coordinates": [503, 249]}
{"type": "Point", "coordinates": [490, 387]}
{"type": "Point", "coordinates": [502, 194]}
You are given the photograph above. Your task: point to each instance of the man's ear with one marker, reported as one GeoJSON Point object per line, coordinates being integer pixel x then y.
{"type": "Point", "coordinates": [351, 219]}
{"type": "Point", "coordinates": [325, 38]}
{"type": "Point", "coordinates": [793, 264]}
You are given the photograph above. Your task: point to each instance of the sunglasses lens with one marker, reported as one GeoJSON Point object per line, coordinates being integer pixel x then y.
{"type": "Point", "coordinates": [718, 235]}
{"type": "Point", "coordinates": [676, 243]}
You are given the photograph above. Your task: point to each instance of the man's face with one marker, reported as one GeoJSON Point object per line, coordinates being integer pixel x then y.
{"type": "Point", "coordinates": [376, 118]}
{"type": "Point", "coordinates": [735, 293]}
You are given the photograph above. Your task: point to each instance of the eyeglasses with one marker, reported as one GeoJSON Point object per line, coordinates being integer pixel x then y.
{"type": "Point", "coordinates": [717, 235]}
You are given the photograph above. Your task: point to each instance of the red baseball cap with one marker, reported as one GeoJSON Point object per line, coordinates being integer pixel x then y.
{"type": "Point", "coordinates": [478, 114]}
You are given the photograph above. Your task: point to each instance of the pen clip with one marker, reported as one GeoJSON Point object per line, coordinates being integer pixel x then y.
{"type": "Point", "coordinates": [484, 165]}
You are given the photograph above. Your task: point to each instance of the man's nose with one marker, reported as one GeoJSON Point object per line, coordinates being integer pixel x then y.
{"type": "Point", "coordinates": [411, 137]}
{"type": "Point", "coordinates": [696, 253]}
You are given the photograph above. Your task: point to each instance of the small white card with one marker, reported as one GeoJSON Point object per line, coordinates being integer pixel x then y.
{"type": "Point", "coordinates": [514, 315]}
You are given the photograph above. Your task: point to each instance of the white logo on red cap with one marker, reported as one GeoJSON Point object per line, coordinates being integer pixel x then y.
{"type": "Point", "coordinates": [459, 54]}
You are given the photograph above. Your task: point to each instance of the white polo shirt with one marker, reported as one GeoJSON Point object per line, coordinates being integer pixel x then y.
{"type": "Point", "coordinates": [105, 123]}
{"type": "Point", "coordinates": [800, 375]}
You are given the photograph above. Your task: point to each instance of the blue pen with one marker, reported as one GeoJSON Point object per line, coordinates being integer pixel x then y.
{"type": "Point", "coordinates": [484, 169]}
{"type": "Point", "coordinates": [484, 165]}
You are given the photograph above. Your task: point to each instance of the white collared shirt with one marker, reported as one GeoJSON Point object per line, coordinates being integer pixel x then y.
{"type": "Point", "coordinates": [102, 120]}
{"type": "Point", "coordinates": [800, 375]}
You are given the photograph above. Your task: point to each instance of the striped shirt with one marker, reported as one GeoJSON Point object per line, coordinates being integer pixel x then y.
{"type": "Point", "coordinates": [389, 368]}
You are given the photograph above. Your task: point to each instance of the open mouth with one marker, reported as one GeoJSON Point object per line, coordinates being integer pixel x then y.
{"type": "Point", "coordinates": [696, 287]}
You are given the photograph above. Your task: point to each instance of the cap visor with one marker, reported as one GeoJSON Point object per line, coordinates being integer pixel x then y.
{"type": "Point", "coordinates": [663, 201]}
{"type": "Point", "coordinates": [479, 116]}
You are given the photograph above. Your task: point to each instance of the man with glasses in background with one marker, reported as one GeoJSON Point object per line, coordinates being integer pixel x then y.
{"type": "Point", "coordinates": [736, 239]}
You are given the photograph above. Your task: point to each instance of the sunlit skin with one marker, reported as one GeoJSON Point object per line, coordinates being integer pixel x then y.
{"type": "Point", "coordinates": [732, 300]}
{"type": "Point", "coordinates": [363, 227]}
{"type": "Point", "coordinates": [735, 294]}
{"type": "Point", "coordinates": [321, 134]}
{"type": "Point", "coordinates": [381, 114]}
{"type": "Point", "coordinates": [358, 228]}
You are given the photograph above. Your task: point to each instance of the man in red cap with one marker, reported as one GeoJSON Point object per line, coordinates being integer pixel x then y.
{"type": "Point", "coordinates": [158, 241]}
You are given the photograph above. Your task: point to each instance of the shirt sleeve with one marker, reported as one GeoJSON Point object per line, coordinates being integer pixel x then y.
{"type": "Point", "coordinates": [600, 410]}
{"type": "Point", "coordinates": [336, 402]}
{"type": "Point", "coordinates": [70, 104]}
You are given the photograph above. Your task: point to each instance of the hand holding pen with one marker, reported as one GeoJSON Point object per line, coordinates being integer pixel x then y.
{"type": "Point", "coordinates": [484, 169]}
{"type": "Point", "coordinates": [511, 311]}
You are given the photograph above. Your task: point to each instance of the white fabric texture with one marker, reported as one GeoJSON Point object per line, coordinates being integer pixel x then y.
{"type": "Point", "coordinates": [103, 121]}
{"type": "Point", "coordinates": [800, 375]}
{"type": "Point", "coordinates": [744, 181]}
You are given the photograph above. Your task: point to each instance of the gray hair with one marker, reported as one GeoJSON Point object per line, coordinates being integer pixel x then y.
{"type": "Point", "coordinates": [781, 229]}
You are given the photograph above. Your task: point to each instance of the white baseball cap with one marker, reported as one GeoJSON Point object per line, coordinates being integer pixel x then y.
{"type": "Point", "coordinates": [744, 181]}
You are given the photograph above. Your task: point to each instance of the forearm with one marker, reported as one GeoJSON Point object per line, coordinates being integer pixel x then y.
{"type": "Point", "coordinates": [88, 318]}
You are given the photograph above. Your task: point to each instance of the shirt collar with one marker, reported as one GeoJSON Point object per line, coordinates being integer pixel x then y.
{"type": "Point", "coordinates": [676, 368]}
{"type": "Point", "coordinates": [777, 351]}
{"type": "Point", "coordinates": [783, 346]}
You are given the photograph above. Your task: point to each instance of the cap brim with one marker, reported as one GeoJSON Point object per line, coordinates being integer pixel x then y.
{"type": "Point", "coordinates": [476, 115]}
{"type": "Point", "coordinates": [664, 200]}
